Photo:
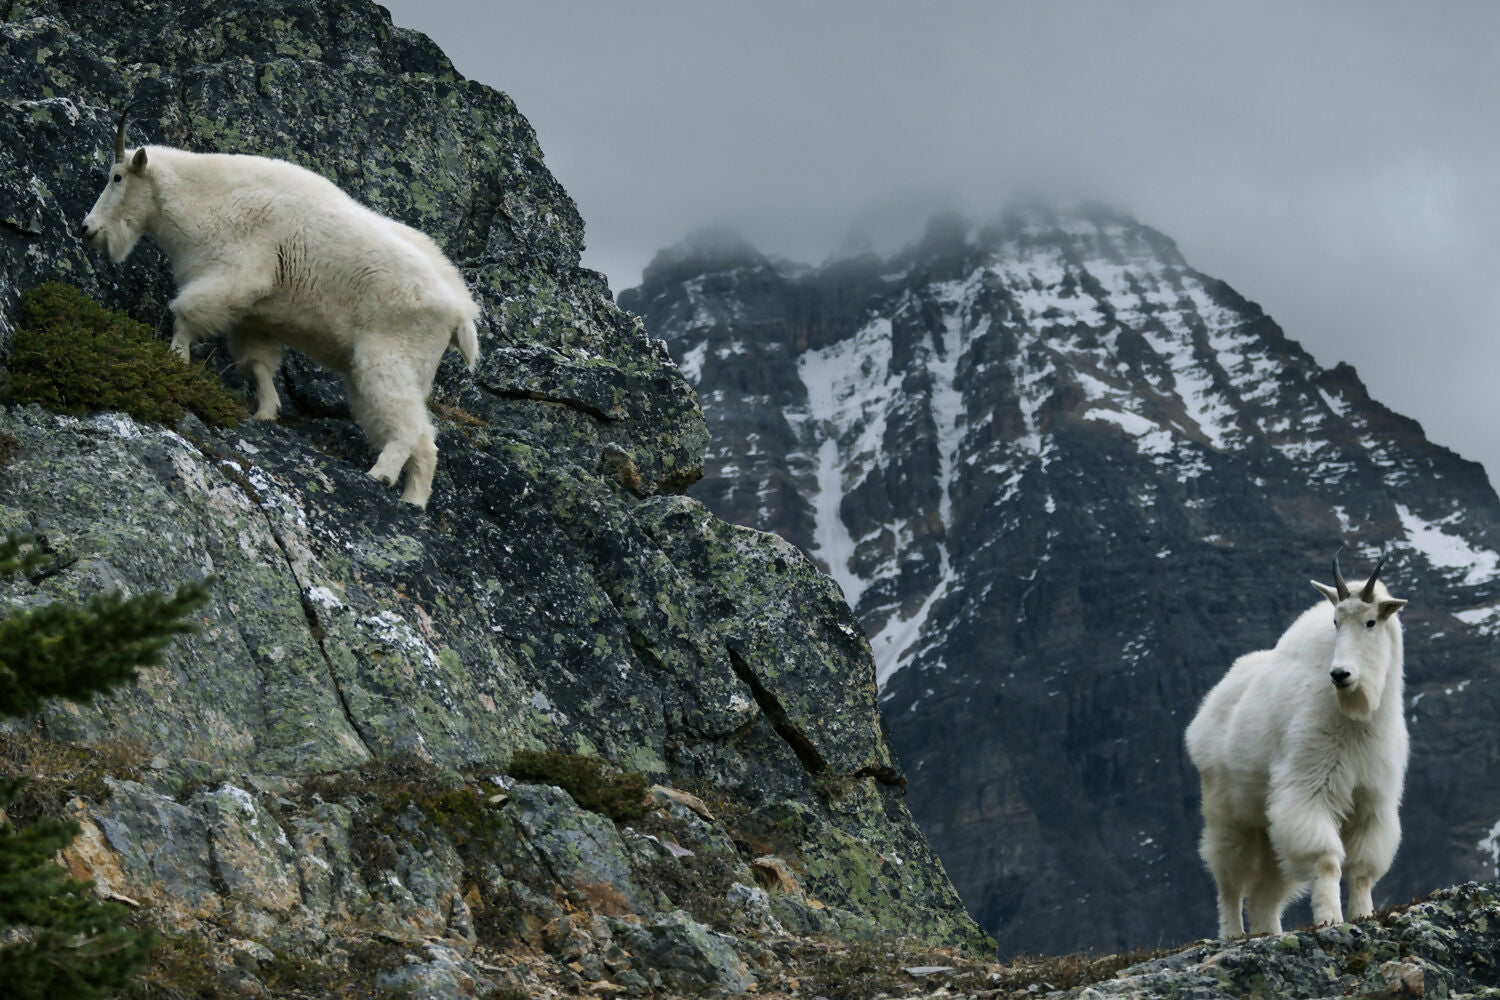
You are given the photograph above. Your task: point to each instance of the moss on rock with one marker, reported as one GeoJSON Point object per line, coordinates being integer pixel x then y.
{"type": "Point", "coordinates": [621, 796]}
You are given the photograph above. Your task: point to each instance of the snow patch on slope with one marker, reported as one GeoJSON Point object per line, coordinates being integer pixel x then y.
{"type": "Point", "coordinates": [1490, 846]}
{"type": "Point", "coordinates": [849, 390]}
{"type": "Point", "coordinates": [1447, 552]}
{"type": "Point", "coordinates": [1131, 423]}
{"type": "Point", "coordinates": [692, 362]}
{"type": "Point", "coordinates": [894, 644]}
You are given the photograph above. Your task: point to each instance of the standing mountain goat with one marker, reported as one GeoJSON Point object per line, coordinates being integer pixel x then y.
{"type": "Point", "coordinates": [1302, 751]}
{"type": "Point", "coordinates": [272, 254]}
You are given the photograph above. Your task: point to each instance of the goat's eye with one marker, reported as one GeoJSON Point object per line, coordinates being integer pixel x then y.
{"type": "Point", "coordinates": [118, 178]}
{"type": "Point", "coordinates": [1370, 623]}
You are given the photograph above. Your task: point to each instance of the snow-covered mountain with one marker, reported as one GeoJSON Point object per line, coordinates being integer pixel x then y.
{"type": "Point", "coordinates": [1064, 479]}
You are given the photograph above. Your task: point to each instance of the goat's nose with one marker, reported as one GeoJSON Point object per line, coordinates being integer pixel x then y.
{"type": "Point", "coordinates": [83, 229]}
{"type": "Point", "coordinates": [1339, 675]}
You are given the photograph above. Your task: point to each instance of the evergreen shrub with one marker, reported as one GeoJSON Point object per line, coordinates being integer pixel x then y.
{"type": "Point", "coordinates": [74, 356]}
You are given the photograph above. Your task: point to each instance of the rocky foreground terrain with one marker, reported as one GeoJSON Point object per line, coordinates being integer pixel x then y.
{"type": "Point", "coordinates": [1064, 479]}
{"type": "Point", "coordinates": [318, 793]}
{"type": "Point", "coordinates": [558, 593]}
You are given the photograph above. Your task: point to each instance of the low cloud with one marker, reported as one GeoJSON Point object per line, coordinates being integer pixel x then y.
{"type": "Point", "coordinates": [1336, 163]}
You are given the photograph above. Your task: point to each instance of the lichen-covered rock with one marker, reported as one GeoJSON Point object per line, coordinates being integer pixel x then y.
{"type": "Point", "coordinates": [686, 954]}
{"type": "Point", "coordinates": [1445, 946]}
{"type": "Point", "coordinates": [161, 851]}
{"type": "Point", "coordinates": [443, 975]}
{"type": "Point", "coordinates": [251, 860]}
{"type": "Point", "coordinates": [582, 850]}
{"type": "Point", "coordinates": [556, 593]}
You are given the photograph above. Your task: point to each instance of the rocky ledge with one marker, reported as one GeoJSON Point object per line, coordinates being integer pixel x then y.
{"type": "Point", "coordinates": [1447, 945]}
{"type": "Point", "coordinates": [1444, 946]}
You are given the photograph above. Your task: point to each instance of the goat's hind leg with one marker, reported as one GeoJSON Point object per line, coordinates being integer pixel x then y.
{"type": "Point", "coordinates": [386, 402]}
{"type": "Point", "coordinates": [423, 465]}
{"type": "Point", "coordinates": [400, 442]}
{"type": "Point", "coordinates": [1231, 912]}
{"type": "Point", "coordinates": [1270, 890]}
{"type": "Point", "coordinates": [371, 410]}
{"type": "Point", "coordinates": [1222, 849]}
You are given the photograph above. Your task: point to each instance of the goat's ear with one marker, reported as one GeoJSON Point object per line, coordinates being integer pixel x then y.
{"type": "Point", "coordinates": [138, 161]}
{"type": "Point", "coordinates": [1388, 608]}
{"type": "Point", "coordinates": [1327, 591]}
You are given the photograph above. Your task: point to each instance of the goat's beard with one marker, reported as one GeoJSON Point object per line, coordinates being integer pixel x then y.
{"type": "Point", "coordinates": [1358, 701]}
{"type": "Point", "coordinates": [117, 240]}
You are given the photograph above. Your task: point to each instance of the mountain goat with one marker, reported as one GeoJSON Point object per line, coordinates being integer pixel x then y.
{"type": "Point", "coordinates": [271, 254]}
{"type": "Point", "coordinates": [1302, 752]}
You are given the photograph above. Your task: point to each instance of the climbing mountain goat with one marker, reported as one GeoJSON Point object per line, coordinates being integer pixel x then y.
{"type": "Point", "coordinates": [272, 254]}
{"type": "Point", "coordinates": [1302, 752]}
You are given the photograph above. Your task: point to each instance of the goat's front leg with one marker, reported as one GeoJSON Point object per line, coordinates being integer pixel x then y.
{"type": "Point", "coordinates": [1305, 835]}
{"type": "Point", "coordinates": [1325, 894]}
{"type": "Point", "coordinates": [1361, 888]}
{"type": "Point", "coordinates": [210, 305]}
{"type": "Point", "coordinates": [182, 339]}
{"type": "Point", "coordinates": [1372, 836]}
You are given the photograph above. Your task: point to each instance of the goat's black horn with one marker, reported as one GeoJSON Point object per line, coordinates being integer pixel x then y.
{"type": "Point", "coordinates": [1338, 576]}
{"type": "Point", "coordinates": [1368, 594]}
{"type": "Point", "coordinates": [120, 134]}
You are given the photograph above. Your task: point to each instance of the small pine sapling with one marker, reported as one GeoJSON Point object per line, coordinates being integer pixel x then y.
{"type": "Point", "coordinates": [61, 940]}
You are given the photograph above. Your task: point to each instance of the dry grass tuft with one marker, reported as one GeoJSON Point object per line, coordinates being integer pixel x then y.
{"type": "Point", "coordinates": [51, 774]}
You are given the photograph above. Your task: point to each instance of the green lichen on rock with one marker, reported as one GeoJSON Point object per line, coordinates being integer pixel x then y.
{"type": "Point", "coordinates": [74, 356]}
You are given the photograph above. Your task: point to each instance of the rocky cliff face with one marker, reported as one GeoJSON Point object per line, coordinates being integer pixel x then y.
{"type": "Point", "coordinates": [559, 591]}
{"type": "Point", "coordinates": [1065, 479]}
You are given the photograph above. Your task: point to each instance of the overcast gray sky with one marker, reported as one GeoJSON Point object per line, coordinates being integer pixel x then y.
{"type": "Point", "coordinates": [1339, 163]}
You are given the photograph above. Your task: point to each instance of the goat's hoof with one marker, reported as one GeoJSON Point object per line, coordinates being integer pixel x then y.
{"type": "Point", "coordinates": [382, 477]}
{"type": "Point", "coordinates": [267, 414]}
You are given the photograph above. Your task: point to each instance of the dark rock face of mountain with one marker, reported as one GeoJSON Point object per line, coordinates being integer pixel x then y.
{"type": "Point", "coordinates": [1065, 479]}
{"type": "Point", "coordinates": [558, 592]}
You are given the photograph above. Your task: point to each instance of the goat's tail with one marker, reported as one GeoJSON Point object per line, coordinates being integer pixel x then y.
{"type": "Point", "coordinates": [466, 340]}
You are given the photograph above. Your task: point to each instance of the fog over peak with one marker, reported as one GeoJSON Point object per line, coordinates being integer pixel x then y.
{"type": "Point", "coordinates": [1333, 162]}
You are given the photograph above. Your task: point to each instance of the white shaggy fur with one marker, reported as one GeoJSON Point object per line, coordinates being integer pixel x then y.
{"type": "Point", "coordinates": [272, 254]}
{"type": "Point", "coordinates": [1302, 751]}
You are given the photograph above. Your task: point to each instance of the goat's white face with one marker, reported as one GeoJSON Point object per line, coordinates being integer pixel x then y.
{"type": "Point", "coordinates": [1364, 645]}
{"type": "Point", "coordinates": [118, 218]}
